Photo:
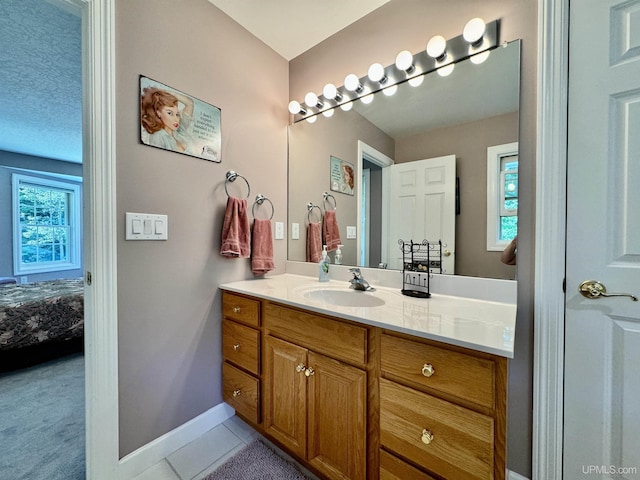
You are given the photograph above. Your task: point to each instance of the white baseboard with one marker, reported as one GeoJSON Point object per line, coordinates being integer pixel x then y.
{"type": "Point", "coordinates": [515, 476]}
{"type": "Point", "coordinates": [148, 455]}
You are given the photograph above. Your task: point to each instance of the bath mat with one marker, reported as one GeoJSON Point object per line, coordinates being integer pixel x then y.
{"type": "Point", "coordinates": [257, 462]}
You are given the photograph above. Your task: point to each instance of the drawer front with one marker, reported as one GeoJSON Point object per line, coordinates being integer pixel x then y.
{"type": "Point", "coordinates": [392, 468]}
{"type": "Point", "coordinates": [241, 346]}
{"type": "Point", "coordinates": [462, 443]}
{"type": "Point", "coordinates": [333, 338]}
{"type": "Point", "coordinates": [241, 309]}
{"type": "Point", "coordinates": [464, 376]}
{"type": "Point", "coordinates": [241, 391]}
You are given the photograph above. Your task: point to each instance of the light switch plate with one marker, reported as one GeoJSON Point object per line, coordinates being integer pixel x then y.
{"type": "Point", "coordinates": [146, 226]}
{"type": "Point", "coordinates": [279, 230]}
{"type": "Point", "coordinates": [295, 231]}
{"type": "Point", "coordinates": [351, 232]}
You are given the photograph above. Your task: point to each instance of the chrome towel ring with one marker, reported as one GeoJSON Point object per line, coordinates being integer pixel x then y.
{"type": "Point", "coordinates": [325, 199]}
{"type": "Point", "coordinates": [231, 177]}
{"type": "Point", "coordinates": [260, 199]}
{"type": "Point", "coordinates": [310, 207]}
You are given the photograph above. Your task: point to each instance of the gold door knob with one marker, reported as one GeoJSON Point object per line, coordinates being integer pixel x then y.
{"type": "Point", "coordinates": [427, 436]}
{"type": "Point", "coordinates": [446, 253]}
{"type": "Point", "coordinates": [309, 372]}
{"type": "Point", "coordinates": [428, 370]}
{"type": "Point", "coordinates": [236, 393]}
{"type": "Point", "coordinates": [301, 367]}
{"type": "Point", "coordinates": [593, 289]}
{"type": "Point", "coordinates": [236, 346]}
{"type": "Point", "coordinates": [236, 309]}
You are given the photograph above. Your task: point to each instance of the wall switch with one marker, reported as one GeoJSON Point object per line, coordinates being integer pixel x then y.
{"type": "Point", "coordinates": [295, 231]}
{"type": "Point", "coordinates": [351, 233]}
{"type": "Point", "coordinates": [279, 230]}
{"type": "Point", "coordinates": [146, 226]}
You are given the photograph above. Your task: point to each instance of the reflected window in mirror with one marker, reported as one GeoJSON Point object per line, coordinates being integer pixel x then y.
{"type": "Point", "coordinates": [502, 195]}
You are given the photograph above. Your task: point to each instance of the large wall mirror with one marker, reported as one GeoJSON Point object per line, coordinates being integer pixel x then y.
{"type": "Point", "coordinates": [449, 129]}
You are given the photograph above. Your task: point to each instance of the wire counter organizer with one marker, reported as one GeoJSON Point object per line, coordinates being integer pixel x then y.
{"type": "Point", "coordinates": [419, 261]}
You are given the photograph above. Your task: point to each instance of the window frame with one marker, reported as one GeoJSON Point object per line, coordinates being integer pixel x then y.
{"type": "Point", "coordinates": [60, 182]}
{"type": "Point", "coordinates": [495, 154]}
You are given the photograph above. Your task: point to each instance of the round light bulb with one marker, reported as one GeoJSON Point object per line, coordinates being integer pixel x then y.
{"type": "Point", "coordinates": [376, 73]}
{"type": "Point", "coordinates": [346, 106]}
{"type": "Point", "coordinates": [436, 47]}
{"type": "Point", "coordinates": [389, 91]}
{"type": "Point", "coordinates": [311, 99]}
{"type": "Point", "coordinates": [367, 99]}
{"type": "Point", "coordinates": [312, 119]}
{"type": "Point", "coordinates": [328, 113]}
{"type": "Point", "coordinates": [474, 30]}
{"type": "Point", "coordinates": [352, 82]}
{"type": "Point", "coordinates": [404, 61]}
{"type": "Point", "coordinates": [479, 58]}
{"type": "Point", "coordinates": [416, 81]}
{"type": "Point", "coordinates": [446, 70]}
{"type": "Point", "coordinates": [295, 107]}
{"type": "Point", "coordinates": [330, 91]}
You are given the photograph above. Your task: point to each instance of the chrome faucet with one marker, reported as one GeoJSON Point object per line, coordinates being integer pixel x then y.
{"type": "Point", "coordinates": [358, 282]}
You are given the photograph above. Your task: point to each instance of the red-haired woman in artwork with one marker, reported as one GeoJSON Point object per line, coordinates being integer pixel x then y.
{"type": "Point", "coordinates": [165, 123]}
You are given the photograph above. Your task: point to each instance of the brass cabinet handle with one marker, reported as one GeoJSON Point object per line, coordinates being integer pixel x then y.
{"type": "Point", "coordinates": [427, 436]}
{"type": "Point", "coordinates": [236, 393]}
{"type": "Point", "coordinates": [236, 346]}
{"type": "Point", "coordinates": [428, 370]}
{"type": "Point", "coordinates": [301, 367]}
{"type": "Point", "coordinates": [593, 289]}
{"type": "Point", "coordinates": [309, 371]}
{"type": "Point", "coordinates": [236, 309]}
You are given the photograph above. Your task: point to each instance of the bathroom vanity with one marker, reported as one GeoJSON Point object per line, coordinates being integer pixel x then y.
{"type": "Point", "coordinates": [388, 387]}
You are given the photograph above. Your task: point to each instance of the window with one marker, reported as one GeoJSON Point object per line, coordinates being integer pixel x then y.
{"type": "Point", "coordinates": [47, 227]}
{"type": "Point", "coordinates": [502, 195]}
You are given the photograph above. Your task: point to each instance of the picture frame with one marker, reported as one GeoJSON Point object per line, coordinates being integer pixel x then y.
{"type": "Point", "coordinates": [172, 120]}
{"type": "Point", "coordinates": [342, 176]}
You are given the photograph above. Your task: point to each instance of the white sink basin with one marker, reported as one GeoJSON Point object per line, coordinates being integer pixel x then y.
{"type": "Point", "coordinates": [344, 298]}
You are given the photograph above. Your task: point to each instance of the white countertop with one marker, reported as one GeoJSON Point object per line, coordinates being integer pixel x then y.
{"type": "Point", "coordinates": [481, 325]}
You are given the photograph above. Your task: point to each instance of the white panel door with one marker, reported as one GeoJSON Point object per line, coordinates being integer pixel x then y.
{"type": "Point", "coordinates": [602, 335]}
{"type": "Point", "coordinates": [422, 206]}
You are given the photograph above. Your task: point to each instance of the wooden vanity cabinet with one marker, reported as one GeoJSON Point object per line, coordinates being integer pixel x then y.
{"type": "Point", "coordinates": [315, 403]}
{"type": "Point", "coordinates": [355, 402]}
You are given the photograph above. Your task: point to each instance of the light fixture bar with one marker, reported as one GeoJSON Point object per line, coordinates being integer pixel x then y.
{"type": "Point", "coordinates": [457, 50]}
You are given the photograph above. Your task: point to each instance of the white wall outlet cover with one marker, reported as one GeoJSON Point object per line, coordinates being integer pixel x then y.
{"type": "Point", "coordinates": [279, 230]}
{"type": "Point", "coordinates": [295, 231]}
{"type": "Point", "coordinates": [351, 232]}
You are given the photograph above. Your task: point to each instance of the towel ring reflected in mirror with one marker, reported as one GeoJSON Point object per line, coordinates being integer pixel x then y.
{"type": "Point", "coordinates": [260, 199]}
{"type": "Point", "coordinates": [232, 177]}
{"type": "Point", "coordinates": [325, 199]}
{"type": "Point", "coordinates": [310, 207]}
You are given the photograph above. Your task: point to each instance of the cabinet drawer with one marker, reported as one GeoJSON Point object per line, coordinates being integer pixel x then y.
{"type": "Point", "coordinates": [464, 376]}
{"type": "Point", "coordinates": [462, 446]}
{"type": "Point", "coordinates": [334, 338]}
{"type": "Point", "coordinates": [241, 346]}
{"type": "Point", "coordinates": [241, 391]}
{"type": "Point", "coordinates": [392, 468]}
{"type": "Point", "coordinates": [241, 309]}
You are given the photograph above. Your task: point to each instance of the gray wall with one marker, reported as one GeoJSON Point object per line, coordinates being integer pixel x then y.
{"type": "Point", "coordinates": [168, 298]}
{"type": "Point", "coordinates": [10, 162]}
{"type": "Point", "coordinates": [408, 24]}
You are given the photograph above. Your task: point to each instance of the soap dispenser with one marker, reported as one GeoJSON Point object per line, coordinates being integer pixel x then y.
{"type": "Point", "coordinates": [323, 266]}
{"type": "Point", "coordinates": [338, 259]}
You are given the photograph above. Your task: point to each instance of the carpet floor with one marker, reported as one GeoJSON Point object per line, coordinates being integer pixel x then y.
{"type": "Point", "coordinates": [257, 462]}
{"type": "Point", "coordinates": [42, 421]}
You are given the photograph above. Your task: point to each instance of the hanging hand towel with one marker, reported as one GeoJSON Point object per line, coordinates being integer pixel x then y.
{"type": "Point", "coordinates": [261, 247]}
{"type": "Point", "coordinates": [235, 229]}
{"type": "Point", "coordinates": [331, 231]}
{"type": "Point", "coordinates": [314, 242]}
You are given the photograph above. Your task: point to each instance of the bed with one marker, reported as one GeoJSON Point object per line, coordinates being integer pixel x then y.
{"type": "Point", "coordinates": [40, 321]}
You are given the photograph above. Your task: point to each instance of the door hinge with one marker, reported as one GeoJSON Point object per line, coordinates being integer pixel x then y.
{"type": "Point", "coordinates": [87, 278]}
{"type": "Point", "coordinates": [564, 285]}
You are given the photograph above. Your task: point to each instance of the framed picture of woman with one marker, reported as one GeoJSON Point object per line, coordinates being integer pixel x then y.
{"type": "Point", "coordinates": [172, 120]}
{"type": "Point", "coordinates": [342, 176]}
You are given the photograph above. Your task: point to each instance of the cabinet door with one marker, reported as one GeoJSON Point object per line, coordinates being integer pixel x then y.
{"type": "Point", "coordinates": [337, 418]}
{"type": "Point", "coordinates": [285, 404]}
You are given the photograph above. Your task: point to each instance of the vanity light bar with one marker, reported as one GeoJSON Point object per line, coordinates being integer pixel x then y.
{"type": "Point", "coordinates": [457, 49]}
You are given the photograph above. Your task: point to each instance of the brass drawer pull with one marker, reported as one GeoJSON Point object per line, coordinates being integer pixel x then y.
{"type": "Point", "coordinates": [427, 436]}
{"type": "Point", "coordinates": [301, 367]}
{"type": "Point", "coordinates": [236, 309]}
{"type": "Point", "coordinates": [309, 371]}
{"type": "Point", "coordinates": [236, 393]}
{"type": "Point", "coordinates": [428, 370]}
{"type": "Point", "coordinates": [236, 346]}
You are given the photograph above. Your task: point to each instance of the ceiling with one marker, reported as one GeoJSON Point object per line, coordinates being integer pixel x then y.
{"type": "Point", "coordinates": [41, 94]}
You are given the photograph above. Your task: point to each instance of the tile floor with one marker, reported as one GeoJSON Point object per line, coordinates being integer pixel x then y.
{"type": "Point", "coordinates": [202, 456]}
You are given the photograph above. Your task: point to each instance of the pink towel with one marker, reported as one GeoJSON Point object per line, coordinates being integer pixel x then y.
{"type": "Point", "coordinates": [330, 231]}
{"type": "Point", "coordinates": [314, 242]}
{"type": "Point", "coordinates": [235, 229]}
{"type": "Point", "coordinates": [261, 247]}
